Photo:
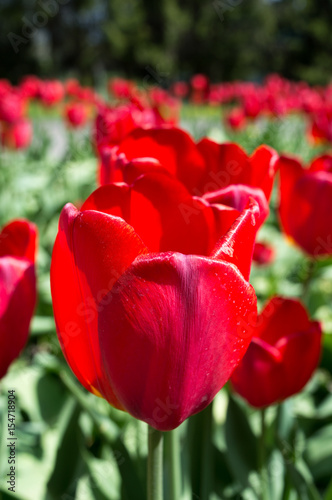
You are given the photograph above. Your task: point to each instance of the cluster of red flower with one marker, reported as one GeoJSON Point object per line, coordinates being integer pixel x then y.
{"type": "Point", "coordinates": [156, 306]}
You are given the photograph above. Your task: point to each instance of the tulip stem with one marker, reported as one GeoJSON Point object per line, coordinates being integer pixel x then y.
{"type": "Point", "coordinates": [207, 460]}
{"type": "Point", "coordinates": [262, 457]}
{"type": "Point", "coordinates": [174, 463]}
{"type": "Point", "coordinates": [308, 278]}
{"type": "Point", "coordinates": [155, 464]}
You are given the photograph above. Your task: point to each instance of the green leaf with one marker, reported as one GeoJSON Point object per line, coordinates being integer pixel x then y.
{"type": "Point", "coordinates": [318, 453]}
{"type": "Point", "coordinates": [241, 444]}
{"type": "Point", "coordinates": [302, 480]}
{"type": "Point", "coordinates": [68, 453]}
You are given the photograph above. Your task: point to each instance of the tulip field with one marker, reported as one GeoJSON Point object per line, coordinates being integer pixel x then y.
{"type": "Point", "coordinates": [166, 290]}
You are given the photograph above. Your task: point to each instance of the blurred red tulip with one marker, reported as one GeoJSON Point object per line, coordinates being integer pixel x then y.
{"type": "Point", "coordinates": [306, 204]}
{"type": "Point", "coordinates": [17, 135]}
{"type": "Point", "coordinates": [236, 118]}
{"type": "Point", "coordinates": [204, 167]}
{"type": "Point", "coordinates": [282, 356]}
{"type": "Point", "coordinates": [180, 89]}
{"type": "Point", "coordinates": [156, 334]}
{"type": "Point", "coordinates": [51, 92]}
{"type": "Point", "coordinates": [76, 114]}
{"type": "Point", "coordinates": [263, 254]}
{"type": "Point", "coordinates": [17, 288]}
{"type": "Point", "coordinates": [12, 107]}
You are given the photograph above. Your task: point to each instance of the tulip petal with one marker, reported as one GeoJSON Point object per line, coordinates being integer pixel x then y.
{"type": "Point", "coordinates": [19, 239]}
{"type": "Point", "coordinates": [225, 164]}
{"type": "Point", "coordinates": [91, 251]}
{"type": "Point", "coordinates": [172, 147]}
{"type": "Point", "coordinates": [173, 333]}
{"type": "Point", "coordinates": [17, 303]}
{"type": "Point", "coordinates": [322, 164]}
{"type": "Point", "coordinates": [164, 214]}
{"type": "Point", "coordinates": [257, 377]}
{"type": "Point", "coordinates": [290, 172]}
{"type": "Point", "coordinates": [272, 324]}
{"type": "Point", "coordinates": [264, 162]}
{"type": "Point", "coordinates": [238, 196]}
{"type": "Point", "coordinates": [237, 245]}
{"type": "Point", "coordinates": [301, 345]}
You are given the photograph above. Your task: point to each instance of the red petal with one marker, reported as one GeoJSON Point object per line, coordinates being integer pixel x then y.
{"type": "Point", "coordinates": [90, 253]}
{"type": "Point", "coordinates": [19, 239]}
{"type": "Point", "coordinates": [263, 254]}
{"type": "Point", "coordinates": [258, 375]}
{"type": "Point", "coordinates": [280, 318]}
{"type": "Point", "coordinates": [171, 336]}
{"type": "Point", "coordinates": [305, 207]}
{"type": "Point", "coordinates": [164, 214]}
{"type": "Point", "coordinates": [301, 353]}
{"type": "Point", "coordinates": [238, 244]}
{"type": "Point", "coordinates": [17, 303]}
{"type": "Point", "coordinates": [225, 164]}
{"type": "Point", "coordinates": [282, 356]}
{"type": "Point", "coordinates": [290, 172]}
{"type": "Point", "coordinates": [322, 164]}
{"type": "Point", "coordinates": [172, 147]}
{"type": "Point", "coordinates": [264, 162]}
{"type": "Point", "coordinates": [238, 196]}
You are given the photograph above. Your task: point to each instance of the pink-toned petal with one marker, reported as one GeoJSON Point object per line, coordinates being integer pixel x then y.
{"type": "Point", "coordinates": [175, 329]}
{"type": "Point", "coordinates": [238, 244]}
{"type": "Point", "coordinates": [19, 239]}
{"type": "Point", "coordinates": [17, 303]}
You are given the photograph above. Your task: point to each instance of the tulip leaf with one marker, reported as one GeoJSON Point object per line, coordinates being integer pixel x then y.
{"type": "Point", "coordinates": [241, 444]}
{"type": "Point", "coordinates": [51, 397]}
{"type": "Point", "coordinates": [318, 453]}
{"type": "Point", "coordinates": [302, 480]}
{"type": "Point", "coordinates": [104, 475]}
{"type": "Point", "coordinates": [68, 453]}
{"type": "Point", "coordinates": [328, 492]}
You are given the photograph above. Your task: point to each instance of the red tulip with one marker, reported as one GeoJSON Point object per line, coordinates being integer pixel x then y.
{"type": "Point", "coordinates": [17, 135]}
{"type": "Point", "coordinates": [263, 254]}
{"type": "Point", "coordinates": [12, 107]}
{"type": "Point", "coordinates": [156, 334]}
{"type": "Point", "coordinates": [306, 204]}
{"type": "Point", "coordinates": [203, 167]}
{"type": "Point", "coordinates": [282, 356]}
{"type": "Point", "coordinates": [76, 114]}
{"type": "Point", "coordinates": [236, 118]}
{"type": "Point", "coordinates": [17, 288]}
{"type": "Point", "coordinates": [51, 92]}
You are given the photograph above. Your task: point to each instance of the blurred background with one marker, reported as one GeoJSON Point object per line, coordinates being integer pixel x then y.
{"type": "Point", "coordinates": [166, 40]}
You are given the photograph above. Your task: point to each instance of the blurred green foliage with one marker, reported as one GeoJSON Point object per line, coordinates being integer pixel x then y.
{"type": "Point", "coordinates": [226, 39]}
{"type": "Point", "coordinates": [72, 445]}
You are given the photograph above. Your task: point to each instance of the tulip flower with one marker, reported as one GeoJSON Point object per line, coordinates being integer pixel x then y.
{"type": "Point", "coordinates": [152, 309]}
{"type": "Point", "coordinates": [203, 167]}
{"type": "Point", "coordinates": [264, 254]}
{"type": "Point", "coordinates": [306, 204]}
{"type": "Point", "coordinates": [282, 356]}
{"type": "Point", "coordinates": [17, 135]}
{"type": "Point", "coordinates": [17, 288]}
{"type": "Point", "coordinates": [76, 114]}
{"type": "Point", "coordinates": [12, 107]}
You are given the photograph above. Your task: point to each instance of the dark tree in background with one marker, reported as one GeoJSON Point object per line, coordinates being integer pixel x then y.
{"type": "Point", "coordinates": [166, 40]}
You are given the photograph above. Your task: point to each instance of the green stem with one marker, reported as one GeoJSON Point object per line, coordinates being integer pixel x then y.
{"type": "Point", "coordinates": [207, 462]}
{"type": "Point", "coordinates": [174, 463]}
{"type": "Point", "coordinates": [308, 278]}
{"type": "Point", "coordinates": [155, 464]}
{"type": "Point", "coordinates": [262, 458]}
